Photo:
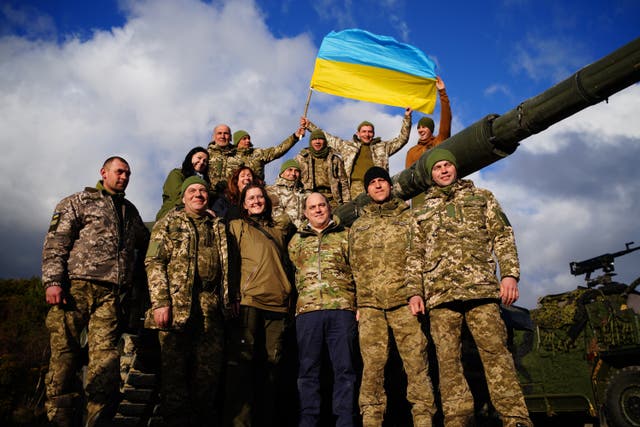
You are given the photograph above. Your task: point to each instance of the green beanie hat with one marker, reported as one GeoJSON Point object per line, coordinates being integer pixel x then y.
{"type": "Point", "coordinates": [426, 122]}
{"type": "Point", "coordinates": [238, 135]}
{"type": "Point", "coordinates": [193, 179]}
{"type": "Point", "coordinates": [291, 163]}
{"type": "Point", "coordinates": [366, 123]}
{"type": "Point", "coordinates": [437, 155]}
{"type": "Point", "coordinates": [317, 134]}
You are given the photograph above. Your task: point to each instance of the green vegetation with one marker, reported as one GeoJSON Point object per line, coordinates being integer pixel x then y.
{"type": "Point", "coordinates": [24, 351]}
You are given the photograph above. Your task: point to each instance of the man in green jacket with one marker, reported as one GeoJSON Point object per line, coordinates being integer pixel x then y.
{"type": "Point", "coordinates": [187, 265]}
{"type": "Point", "coordinates": [325, 312]}
{"type": "Point", "coordinates": [459, 233]}
{"type": "Point", "coordinates": [389, 296]}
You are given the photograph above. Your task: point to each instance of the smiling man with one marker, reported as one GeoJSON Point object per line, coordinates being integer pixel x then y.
{"type": "Point", "coordinates": [459, 234]}
{"type": "Point", "coordinates": [389, 297]}
{"type": "Point", "coordinates": [365, 150]}
{"type": "Point", "coordinates": [187, 267]}
{"type": "Point", "coordinates": [325, 312]}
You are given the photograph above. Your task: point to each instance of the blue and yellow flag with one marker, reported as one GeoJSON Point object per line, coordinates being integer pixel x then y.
{"type": "Point", "coordinates": [360, 65]}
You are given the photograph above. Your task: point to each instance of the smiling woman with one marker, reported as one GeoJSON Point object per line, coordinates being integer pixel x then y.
{"type": "Point", "coordinates": [262, 299]}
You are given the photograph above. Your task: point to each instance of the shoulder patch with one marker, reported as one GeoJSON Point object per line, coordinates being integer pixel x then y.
{"type": "Point", "coordinates": [503, 217]}
{"type": "Point", "coordinates": [55, 221]}
{"type": "Point", "coordinates": [154, 248]}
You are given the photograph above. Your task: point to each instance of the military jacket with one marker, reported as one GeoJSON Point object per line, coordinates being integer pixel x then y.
{"type": "Point", "coordinates": [379, 246]}
{"type": "Point", "coordinates": [380, 150]}
{"type": "Point", "coordinates": [458, 238]}
{"type": "Point", "coordinates": [337, 175]}
{"type": "Point", "coordinates": [323, 275]}
{"type": "Point", "coordinates": [288, 198]}
{"type": "Point", "coordinates": [85, 240]}
{"type": "Point", "coordinates": [257, 158]}
{"type": "Point", "coordinates": [171, 264]}
{"type": "Point", "coordinates": [223, 161]}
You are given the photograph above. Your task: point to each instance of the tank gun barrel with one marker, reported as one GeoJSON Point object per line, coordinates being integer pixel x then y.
{"type": "Point", "coordinates": [604, 262]}
{"type": "Point", "coordinates": [495, 137]}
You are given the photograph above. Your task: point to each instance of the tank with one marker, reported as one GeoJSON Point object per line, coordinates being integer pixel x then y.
{"type": "Point", "coordinates": [578, 352]}
{"type": "Point", "coordinates": [492, 138]}
{"type": "Point", "coordinates": [495, 137]}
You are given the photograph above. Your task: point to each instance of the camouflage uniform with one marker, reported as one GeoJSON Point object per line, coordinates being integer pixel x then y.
{"type": "Point", "coordinates": [325, 313]}
{"type": "Point", "coordinates": [223, 161]}
{"type": "Point", "coordinates": [256, 158]}
{"type": "Point", "coordinates": [90, 251]}
{"type": "Point", "coordinates": [379, 245]}
{"type": "Point", "coordinates": [334, 183]}
{"type": "Point", "coordinates": [457, 233]}
{"type": "Point", "coordinates": [380, 150]}
{"type": "Point", "coordinates": [288, 198]}
{"type": "Point", "coordinates": [187, 265]}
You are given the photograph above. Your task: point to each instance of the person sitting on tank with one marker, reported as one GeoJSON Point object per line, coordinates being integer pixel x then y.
{"type": "Point", "coordinates": [196, 162]}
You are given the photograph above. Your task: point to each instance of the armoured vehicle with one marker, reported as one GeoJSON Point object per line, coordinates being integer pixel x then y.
{"type": "Point", "coordinates": [579, 351]}
{"type": "Point", "coordinates": [490, 139]}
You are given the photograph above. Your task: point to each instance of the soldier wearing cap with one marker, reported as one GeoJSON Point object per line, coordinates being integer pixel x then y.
{"type": "Point", "coordinates": [459, 234]}
{"type": "Point", "coordinates": [365, 150]}
{"type": "Point", "coordinates": [87, 266]}
{"type": "Point", "coordinates": [322, 170]}
{"type": "Point", "coordinates": [426, 138]}
{"type": "Point", "coordinates": [389, 296]}
{"type": "Point", "coordinates": [187, 266]}
{"type": "Point", "coordinates": [288, 193]}
{"type": "Point", "coordinates": [257, 158]}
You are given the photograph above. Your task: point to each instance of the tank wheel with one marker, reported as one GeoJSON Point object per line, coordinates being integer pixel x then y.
{"type": "Point", "coordinates": [622, 398]}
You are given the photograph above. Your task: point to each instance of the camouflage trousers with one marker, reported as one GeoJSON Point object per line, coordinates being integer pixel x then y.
{"type": "Point", "coordinates": [94, 307]}
{"type": "Point", "coordinates": [490, 335]}
{"type": "Point", "coordinates": [192, 360]}
{"type": "Point", "coordinates": [373, 327]}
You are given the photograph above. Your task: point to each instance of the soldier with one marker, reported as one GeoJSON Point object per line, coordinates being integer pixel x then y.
{"type": "Point", "coordinates": [87, 265]}
{"type": "Point", "coordinates": [187, 265]}
{"type": "Point", "coordinates": [222, 158]}
{"type": "Point", "coordinates": [426, 138]}
{"type": "Point", "coordinates": [322, 170]}
{"type": "Point", "coordinates": [257, 158]}
{"type": "Point", "coordinates": [288, 193]}
{"type": "Point", "coordinates": [389, 296]}
{"type": "Point", "coordinates": [365, 151]}
{"type": "Point", "coordinates": [459, 231]}
{"type": "Point", "coordinates": [325, 311]}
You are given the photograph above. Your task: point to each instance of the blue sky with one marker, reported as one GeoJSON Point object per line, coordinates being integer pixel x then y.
{"type": "Point", "coordinates": [80, 81]}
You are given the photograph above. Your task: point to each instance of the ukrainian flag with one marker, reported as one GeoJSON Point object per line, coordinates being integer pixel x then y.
{"type": "Point", "coordinates": [360, 65]}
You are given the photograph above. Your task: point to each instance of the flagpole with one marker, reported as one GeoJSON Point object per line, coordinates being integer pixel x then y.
{"type": "Point", "coordinates": [306, 106]}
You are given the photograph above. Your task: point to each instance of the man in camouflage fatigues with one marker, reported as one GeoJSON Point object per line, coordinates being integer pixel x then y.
{"type": "Point", "coordinates": [288, 193]}
{"type": "Point", "coordinates": [458, 232]}
{"type": "Point", "coordinates": [322, 170]}
{"type": "Point", "coordinates": [223, 159]}
{"type": "Point", "coordinates": [187, 265]}
{"type": "Point", "coordinates": [325, 311]}
{"type": "Point", "coordinates": [389, 296]}
{"type": "Point", "coordinates": [365, 151]}
{"type": "Point", "coordinates": [87, 264]}
{"type": "Point", "coordinates": [257, 158]}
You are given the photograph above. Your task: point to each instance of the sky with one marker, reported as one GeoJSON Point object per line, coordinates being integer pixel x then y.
{"type": "Point", "coordinates": [148, 80]}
